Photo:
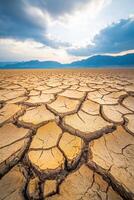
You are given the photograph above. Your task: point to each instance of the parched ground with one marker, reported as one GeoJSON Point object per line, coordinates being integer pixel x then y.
{"type": "Point", "coordinates": [67, 135]}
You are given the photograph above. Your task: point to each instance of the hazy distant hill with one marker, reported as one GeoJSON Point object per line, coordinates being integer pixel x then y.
{"type": "Point", "coordinates": [94, 61]}
{"type": "Point", "coordinates": [31, 64]}
{"type": "Point", "coordinates": [100, 61]}
{"type": "Point", "coordinates": [2, 64]}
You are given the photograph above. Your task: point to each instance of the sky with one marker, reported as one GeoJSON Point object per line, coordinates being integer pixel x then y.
{"type": "Point", "coordinates": [65, 30]}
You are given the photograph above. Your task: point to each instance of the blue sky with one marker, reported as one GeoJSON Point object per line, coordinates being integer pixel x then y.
{"type": "Point", "coordinates": [63, 30]}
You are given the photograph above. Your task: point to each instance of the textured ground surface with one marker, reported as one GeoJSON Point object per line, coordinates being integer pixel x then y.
{"type": "Point", "coordinates": [67, 135]}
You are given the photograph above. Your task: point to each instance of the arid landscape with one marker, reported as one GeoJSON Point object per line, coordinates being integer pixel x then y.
{"type": "Point", "coordinates": [67, 134]}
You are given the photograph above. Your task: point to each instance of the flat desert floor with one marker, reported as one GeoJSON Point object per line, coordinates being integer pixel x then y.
{"type": "Point", "coordinates": [67, 134]}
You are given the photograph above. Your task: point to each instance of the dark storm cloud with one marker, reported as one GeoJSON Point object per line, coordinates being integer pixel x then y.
{"type": "Point", "coordinates": [17, 22]}
{"type": "Point", "coordinates": [59, 7]}
{"type": "Point", "coordinates": [115, 38]}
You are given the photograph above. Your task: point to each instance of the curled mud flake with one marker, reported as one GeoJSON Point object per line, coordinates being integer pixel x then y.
{"type": "Point", "coordinates": [64, 106]}
{"type": "Point", "coordinates": [47, 160]}
{"type": "Point", "coordinates": [37, 115]}
{"type": "Point", "coordinates": [106, 98]}
{"type": "Point", "coordinates": [46, 137]}
{"type": "Point", "coordinates": [114, 153]}
{"type": "Point", "coordinates": [6, 95]}
{"type": "Point", "coordinates": [114, 113]}
{"type": "Point", "coordinates": [130, 88]}
{"type": "Point", "coordinates": [87, 126]}
{"type": "Point", "coordinates": [128, 102]}
{"type": "Point", "coordinates": [43, 98]}
{"type": "Point", "coordinates": [8, 112]}
{"type": "Point", "coordinates": [12, 185]}
{"type": "Point", "coordinates": [74, 94]}
{"type": "Point", "coordinates": [129, 123]}
{"type": "Point", "coordinates": [90, 107]}
{"type": "Point", "coordinates": [13, 143]}
{"type": "Point", "coordinates": [17, 100]}
{"type": "Point", "coordinates": [72, 147]}
{"type": "Point", "coordinates": [55, 90]}
{"type": "Point", "coordinates": [84, 184]}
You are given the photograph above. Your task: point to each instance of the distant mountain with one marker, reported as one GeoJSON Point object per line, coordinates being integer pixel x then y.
{"type": "Point", "coordinates": [33, 64]}
{"type": "Point", "coordinates": [2, 64]}
{"type": "Point", "coordinates": [94, 61]}
{"type": "Point", "coordinates": [102, 60]}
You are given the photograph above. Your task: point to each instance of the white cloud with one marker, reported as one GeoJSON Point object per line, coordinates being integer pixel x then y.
{"type": "Point", "coordinates": [31, 50]}
{"type": "Point", "coordinates": [120, 53]}
{"type": "Point", "coordinates": [79, 27]}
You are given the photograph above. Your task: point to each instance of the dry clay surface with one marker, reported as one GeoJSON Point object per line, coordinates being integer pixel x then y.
{"type": "Point", "coordinates": [67, 135]}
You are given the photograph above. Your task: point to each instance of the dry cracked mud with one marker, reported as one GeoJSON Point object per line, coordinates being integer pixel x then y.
{"type": "Point", "coordinates": [67, 135]}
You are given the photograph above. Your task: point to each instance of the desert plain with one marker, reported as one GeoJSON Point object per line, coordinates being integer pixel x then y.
{"type": "Point", "coordinates": [67, 134]}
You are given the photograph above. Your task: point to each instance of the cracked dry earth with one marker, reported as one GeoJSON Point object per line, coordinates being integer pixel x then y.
{"type": "Point", "coordinates": [66, 135]}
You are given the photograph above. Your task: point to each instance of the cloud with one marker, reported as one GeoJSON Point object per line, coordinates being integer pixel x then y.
{"type": "Point", "coordinates": [12, 50]}
{"type": "Point", "coordinates": [16, 22]}
{"type": "Point", "coordinates": [21, 20]}
{"type": "Point", "coordinates": [29, 19]}
{"type": "Point", "coordinates": [114, 38]}
{"type": "Point", "coordinates": [57, 23]}
{"type": "Point", "coordinates": [59, 7]}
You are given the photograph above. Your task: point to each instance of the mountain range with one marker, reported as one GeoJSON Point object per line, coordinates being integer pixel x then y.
{"type": "Point", "coordinates": [98, 61]}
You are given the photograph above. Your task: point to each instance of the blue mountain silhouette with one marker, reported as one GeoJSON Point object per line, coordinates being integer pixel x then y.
{"type": "Point", "coordinates": [94, 61]}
